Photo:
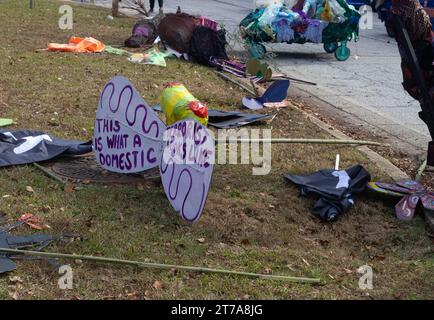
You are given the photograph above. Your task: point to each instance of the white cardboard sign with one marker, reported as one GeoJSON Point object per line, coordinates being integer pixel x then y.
{"type": "Point", "coordinates": [127, 133]}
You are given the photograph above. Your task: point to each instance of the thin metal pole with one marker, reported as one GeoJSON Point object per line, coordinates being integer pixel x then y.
{"type": "Point", "coordinates": [159, 265]}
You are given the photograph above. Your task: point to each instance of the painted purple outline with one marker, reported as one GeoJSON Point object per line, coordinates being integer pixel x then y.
{"type": "Point", "coordinates": [120, 97]}
{"type": "Point", "coordinates": [173, 198]}
{"type": "Point", "coordinates": [103, 92]}
{"type": "Point", "coordinates": [132, 123]}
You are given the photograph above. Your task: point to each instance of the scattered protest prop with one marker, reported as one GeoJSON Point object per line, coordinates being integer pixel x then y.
{"type": "Point", "coordinates": [178, 103]}
{"type": "Point", "coordinates": [129, 137]}
{"type": "Point", "coordinates": [228, 119]}
{"type": "Point", "coordinates": [77, 44]}
{"type": "Point", "coordinates": [36, 242]}
{"type": "Point", "coordinates": [276, 93]}
{"type": "Point", "coordinates": [412, 193]}
{"type": "Point", "coordinates": [335, 189]}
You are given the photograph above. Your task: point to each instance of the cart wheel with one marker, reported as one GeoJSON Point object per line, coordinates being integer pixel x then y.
{"type": "Point", "coordinates": [330, 47]}
{"type": "Point", "coordinates": [342, 53]}
{"type": "Point", "coordinates": [257, 50]}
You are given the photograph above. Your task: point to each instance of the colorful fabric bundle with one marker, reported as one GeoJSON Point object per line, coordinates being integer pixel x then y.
{"type": "Point", "coordinates": [77, 44]}
{"type": "Point", "coordinates": [178, 104]}
{"type": "Point", "coordinates": [152, 56]}
{"type": "Point", "coordinates": [318, 21]}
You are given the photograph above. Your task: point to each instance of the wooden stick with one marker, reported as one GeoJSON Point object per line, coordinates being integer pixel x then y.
{"type": "Point", "coordinates": [49, 174]}
{"type": "Point", "coordinates": [158, 265]}
{"type": "Point", "coordinates": [301, 141]}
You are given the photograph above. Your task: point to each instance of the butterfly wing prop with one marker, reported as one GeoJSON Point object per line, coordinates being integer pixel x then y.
{"type": "Point", "coordinates": [128, 134]}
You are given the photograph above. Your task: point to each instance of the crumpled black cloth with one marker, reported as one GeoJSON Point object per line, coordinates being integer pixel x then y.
{"type": "Point", "coordinates": [335, 189]}
{"type": "Point", "coordinates": [28, 146]}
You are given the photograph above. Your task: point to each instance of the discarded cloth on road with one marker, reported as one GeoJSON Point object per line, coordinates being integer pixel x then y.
{"type": "Point", "coordinates": [28, 146]}
{"type": "Point", "coordinates": [275, 93]}
{"type": "Point", "coordinates": [178, 104]}
{"type": "Point", "coordinates": [411, 192]}
{"type": "Point", "coordinates": [335, 189]}
{"type": "Point", "coordinates": [77, 44]}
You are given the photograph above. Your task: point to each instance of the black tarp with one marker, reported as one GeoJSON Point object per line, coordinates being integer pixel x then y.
{"type": "Point", "coordinates": [205, 44]}
{"type": "Point", "coordinates": [335, 189]}
{"type": "Point", "coordinates": [28, 146]}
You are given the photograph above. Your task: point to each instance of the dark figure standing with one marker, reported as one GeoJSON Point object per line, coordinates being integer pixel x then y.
{"type": "Point", "coordinates": [152, 5]}
{"type": "Point", "coordinates": [418, 24]}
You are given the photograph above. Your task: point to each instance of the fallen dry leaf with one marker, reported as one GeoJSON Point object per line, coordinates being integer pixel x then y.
{"type": "Point", "coordinates": [245, 242]}
{"type": "Point", "coordinates": [268, 270]}
{"type": "Point", "coordinates": [157, 285]}
{"type": "Point", "coordinates": [30, 189]}
{"type": "Point", "coordinates": [13, 295]}
{"type": "Point", "coordinates": [201, 240]}
{"type": "Point", "coordinates": [69, 188]}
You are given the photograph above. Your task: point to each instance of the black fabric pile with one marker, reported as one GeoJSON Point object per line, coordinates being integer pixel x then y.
{"type": "Point", "coordinates": [335, 189]}
{"type": "Point", "coordinates": [206, 43]}
{"type": "Point", "coordinates": [28, 146]}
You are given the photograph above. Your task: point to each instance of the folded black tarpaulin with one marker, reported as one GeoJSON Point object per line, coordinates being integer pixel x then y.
{"type": "Point", "coordinates": [228, 119]}
{"type": "Point", "coordinates": [335, 189]}
{"type": "Point", "coordinates": [28, 146]}
{"type": "Point", "coordinates": [231, 119]}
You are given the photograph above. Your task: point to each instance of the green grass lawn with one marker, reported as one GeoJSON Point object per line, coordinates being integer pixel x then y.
{"type": "Point", "coordinates": [250, 223]}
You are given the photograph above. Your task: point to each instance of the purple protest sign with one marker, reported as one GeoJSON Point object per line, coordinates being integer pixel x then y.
{"type": "Point", "coordinates": [186, 167]}
{"type": "Point", "coordinates": [128, 134]}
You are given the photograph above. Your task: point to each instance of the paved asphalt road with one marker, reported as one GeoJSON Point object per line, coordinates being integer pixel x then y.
{"type": "Point", "coordinates": [365, 90]}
